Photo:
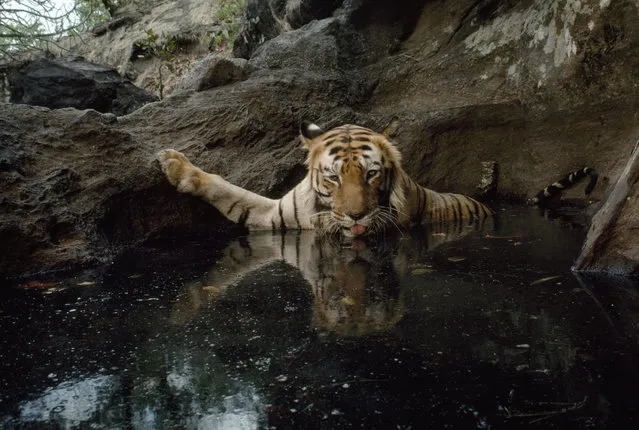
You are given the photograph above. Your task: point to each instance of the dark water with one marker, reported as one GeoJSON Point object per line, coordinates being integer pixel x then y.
{"type": "Point", "coordinates": [491, 330]}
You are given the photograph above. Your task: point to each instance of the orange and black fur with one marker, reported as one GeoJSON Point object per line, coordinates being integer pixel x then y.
{"type": "Point", "coordinates": [355, 185]}
{"type": "Point", "coordinates": [551, 195]}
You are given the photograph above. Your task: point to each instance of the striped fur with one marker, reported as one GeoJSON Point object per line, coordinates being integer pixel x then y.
{"type": "Point", "coordinates": [355, 185]}
{"type": "Point", "coordinates": [555, 189]}
{"type": "Point", "coordinates": [356, 290]}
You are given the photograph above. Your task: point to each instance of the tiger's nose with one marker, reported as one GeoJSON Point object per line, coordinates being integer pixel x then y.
{"type": "Point", "coordinates": [356, 215]}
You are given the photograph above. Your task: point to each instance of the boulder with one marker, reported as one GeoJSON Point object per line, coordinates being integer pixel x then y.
{"type": "Point", "coordinates": [213, 71]}
{"type": "Point", "coordinates": [266, 19]}
{"type": "Point", "coordinates": [610, 245]}
{"type": "Point", "coordinates": [75, 83]}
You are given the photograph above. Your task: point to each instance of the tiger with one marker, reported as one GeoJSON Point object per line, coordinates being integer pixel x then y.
{"type": "Point", "coordinates": [551, 194]}
{"type": "Point", "coordinates": [356, 290]}
{"type": "Point", "coordinates": [355, 185]}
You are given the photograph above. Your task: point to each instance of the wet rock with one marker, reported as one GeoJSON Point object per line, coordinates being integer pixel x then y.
{"type": "Point", "coordinates": [75, 83]}
{"type": "Point", "coordinates": [76, 187]}
{"type": "Point", "coordinates": [609, 247]}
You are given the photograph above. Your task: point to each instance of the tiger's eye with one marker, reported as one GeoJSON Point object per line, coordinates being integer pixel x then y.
{"type": "Point", "coordinates": [371, 174]}
{"type": "Point", "coordinates": [333, 178]}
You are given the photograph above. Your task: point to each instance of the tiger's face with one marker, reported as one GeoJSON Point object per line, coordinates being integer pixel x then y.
{"type": "Point", "coordinates": [351, 170]}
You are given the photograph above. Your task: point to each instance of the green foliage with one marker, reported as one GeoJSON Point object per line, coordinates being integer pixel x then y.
{"type": "Point", "coordinates": [91, 13]}
{"type": "Point", "coordinates": [19, 37]}
{"type": "Point", "coordinates": [161, 47]}
{"type": "Point", "coordinates": [230, 10]}
{"type": "Point", "coordinates": [229, 13]}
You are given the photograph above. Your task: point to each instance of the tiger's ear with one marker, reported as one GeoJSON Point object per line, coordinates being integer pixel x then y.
{"type": "Point", "coordinates": [391, 128]}
{"type": "Point", "coordinates": [308, 132]}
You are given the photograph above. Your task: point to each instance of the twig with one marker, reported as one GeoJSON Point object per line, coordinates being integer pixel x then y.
{"type": "Point", "coordinates": [547, 414]}
{"type": "Point", "coordinates": [351, 381]}
{"type": "Point", "coordinates": [410, 57]}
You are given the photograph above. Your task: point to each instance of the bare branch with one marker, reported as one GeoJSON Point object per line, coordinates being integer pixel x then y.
{"type": "Point", "coordinates": [31, 25]}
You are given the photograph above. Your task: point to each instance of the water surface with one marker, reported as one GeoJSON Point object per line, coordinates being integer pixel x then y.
{"type": "Point", "coordinates": [431, 329]}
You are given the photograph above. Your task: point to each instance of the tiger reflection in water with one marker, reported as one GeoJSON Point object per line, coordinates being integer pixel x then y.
{"type": "Point", "coordinates": [356, 290]}
{"type": "Point", "coordinates": [356, 286]}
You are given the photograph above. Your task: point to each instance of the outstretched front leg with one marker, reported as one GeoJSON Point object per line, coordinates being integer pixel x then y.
{"type": "Point", "coordinates": [237, 204]}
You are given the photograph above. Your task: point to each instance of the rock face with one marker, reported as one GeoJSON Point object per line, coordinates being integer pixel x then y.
{"type": "Point", "coordinates": [75, 83]}
{"type": "Point", "coordinates": [213, 71]}
{"type": "Point", "coordinates": [266, 19]}
{"type": "Point", "coordinates": [611, 245]}
{"type": "Point", "coordinates": [540, 88]}
{"type": "Point", "coordinates": [193, 25]}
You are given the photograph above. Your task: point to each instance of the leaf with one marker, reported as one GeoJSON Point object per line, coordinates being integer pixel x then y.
{"type": "Point", "coordinates": [421, 271]}
{"type": "Point", "coordinates": [515, 236]}
{"type": "Point", "coordinates": [439, 234]}
{"type": "Point", "coordinates": [136, 276]}
{"type": "Point", "coordinates": [38, 284]}
{"type": "Point", "coordinates": [347, 300]}
{"type": "Point", "coordinates": [85, 283]}
{"type": "Point", "coordinates": [456, 259]}
{"type": "Point", "coordinates": [53, 290]}
{"type": "Point", "coordinates": [547, 278]}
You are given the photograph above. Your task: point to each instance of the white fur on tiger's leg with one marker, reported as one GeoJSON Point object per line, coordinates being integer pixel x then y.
{"type": "Point", "coordinates": [237, 204]}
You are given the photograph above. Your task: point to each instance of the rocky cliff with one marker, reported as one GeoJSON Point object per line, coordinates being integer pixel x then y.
{"type": "Point", "coordinates": [541, 87]}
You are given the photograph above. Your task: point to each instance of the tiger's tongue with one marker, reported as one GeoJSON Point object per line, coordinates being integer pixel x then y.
{"type": "Point", "coordinates": [358, 229]}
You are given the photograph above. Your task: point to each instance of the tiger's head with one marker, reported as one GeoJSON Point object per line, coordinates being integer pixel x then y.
{"type": "Point", "coordinates": [354, 172]}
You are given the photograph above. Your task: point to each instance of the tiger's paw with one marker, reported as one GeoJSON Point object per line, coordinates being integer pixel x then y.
{"type": "Point", "coordinates": [179, 170]}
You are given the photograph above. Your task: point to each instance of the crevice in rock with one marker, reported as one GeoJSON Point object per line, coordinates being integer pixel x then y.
{"type": "Point", "coordinates": [136, 216]}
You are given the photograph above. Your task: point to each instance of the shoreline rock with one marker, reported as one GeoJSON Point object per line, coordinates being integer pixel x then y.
{"type": "Point", "coordinates": [610, 245]}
